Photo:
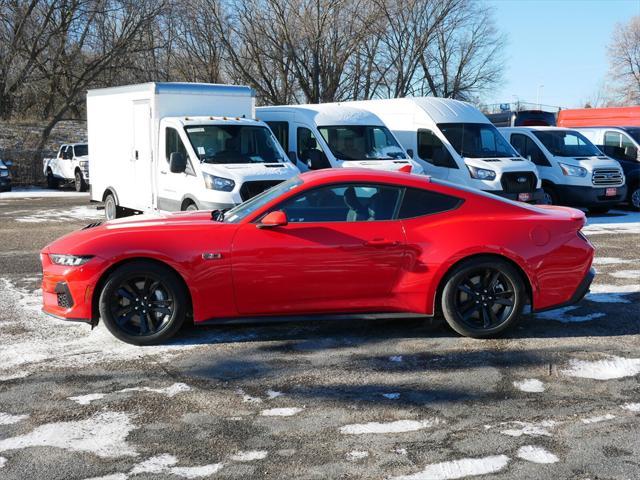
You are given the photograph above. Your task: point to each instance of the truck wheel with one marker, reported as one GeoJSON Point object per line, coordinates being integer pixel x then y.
{"type": "Point", "coordinates": [81, 185]}
{"type": "Point", "coordinates": [598, 210]}
{"type": "Point", "coordinates": [110, 207]}
{"type": "Point", "coordinates": [549, 196]}
{"type": "Point", "coordinates": [52, 182]}
{"type": "Point", "coordinates": [190, 207]}
{"type": "Point", "coordinates": [634, 197]}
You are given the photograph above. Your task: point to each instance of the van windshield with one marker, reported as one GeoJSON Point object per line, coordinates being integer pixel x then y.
{"type": "Point", "coordinates": [567, 143]}
{"type": "Point", "coordinates": [226, 144]}
{"type": "Point", "coordinates": [361, 142]}
{"type": "Point", "coordinates": [477, 140]}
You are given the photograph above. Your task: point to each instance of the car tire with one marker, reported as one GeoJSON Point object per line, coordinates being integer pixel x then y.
{"type": "Point", "coordinates": [549, 196]}
{"type": "Point", "coordinates": [143, 303]}
{"type": "Point", "coordinates": [482, 297]}
{"type": "Point", "coordinates": [634, 197]}
{"type": "Point", "coordinates": [598, 210]}
{"type": "Point", "coordinates": [80, 184]}
{"type": "Point", "coordinates": [52, 182]}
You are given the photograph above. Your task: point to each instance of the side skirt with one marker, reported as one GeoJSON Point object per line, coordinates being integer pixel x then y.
{"type": "Point", "coordinates": [309, 318]}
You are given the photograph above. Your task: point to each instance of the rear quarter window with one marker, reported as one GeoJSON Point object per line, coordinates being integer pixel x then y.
{"type": "Point", "coordinates": [417, 203]}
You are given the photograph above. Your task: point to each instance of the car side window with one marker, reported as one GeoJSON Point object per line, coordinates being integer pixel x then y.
{"type": "Point", "coordinates": [528, 149]}
{"type": "Point", "coordinates": [629, 150]}
{"type": "Point", "coordinates": [619, 146]}
{"type": "Point", "coordinates": [281, 132]}
{"type": "Point", "coordinates": [432, 150]}
{"type": "Point", "coordinates": [343, 203]}
{"type": "Point", "coordinates": [612, 139]}
{"type": "Point", "coordinates": [417, 202]}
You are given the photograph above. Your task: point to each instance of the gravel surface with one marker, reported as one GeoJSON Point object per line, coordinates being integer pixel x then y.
{"type": "Point", "coordinates": [557, 398]}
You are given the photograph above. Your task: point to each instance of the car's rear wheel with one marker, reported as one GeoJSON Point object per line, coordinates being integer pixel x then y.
{"type": "Point", "coordinates": [143, 303]}
{"type": "Point", "coordinates": [52, 182]}
{"type": "Point", "coordinates": [483, 297]}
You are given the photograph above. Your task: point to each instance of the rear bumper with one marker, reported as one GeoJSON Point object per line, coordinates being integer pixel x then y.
{"type": "Point", "coordinates": [579, 294]}
{"type": "Point", "coordinates": [577, 196]}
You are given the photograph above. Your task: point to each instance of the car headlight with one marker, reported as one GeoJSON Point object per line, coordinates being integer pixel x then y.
{"type": "Point", "coordinates": [69, 260]}
{"type": "Point", "coordinates": [4, 172]}
{"type": "Point", "coordinates": [218, 183]}
{"type": "Point", "coordinates": [481, 173]}
{"type": "Point", "coordinates": [572, 170]}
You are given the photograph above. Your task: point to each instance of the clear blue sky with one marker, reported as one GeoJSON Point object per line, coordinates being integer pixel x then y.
{"type": "Point", "coordinates": [561, 44]}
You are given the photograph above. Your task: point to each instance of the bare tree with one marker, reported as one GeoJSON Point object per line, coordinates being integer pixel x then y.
{"type": "Point", "coordinates": [624, 54]}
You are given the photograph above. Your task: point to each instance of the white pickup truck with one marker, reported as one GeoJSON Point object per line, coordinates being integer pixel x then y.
{"type": "Point", "coordinates": [71, 164]}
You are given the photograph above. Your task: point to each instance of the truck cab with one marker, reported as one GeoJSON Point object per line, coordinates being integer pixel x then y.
{"type": "Point", "coordinates": [623, 145]}
{"type": "Point", "coordinates": [336, 135]}
{"type": "Point", "coordinates": [574, 171]}
{"type": "Point", "coordinates": [71, 164]}
{"type": "Point", "coordinates": [454, 141]}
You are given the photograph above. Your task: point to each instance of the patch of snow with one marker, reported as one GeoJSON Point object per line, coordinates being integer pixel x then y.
{"type": "Point", "coordinates": [249, 456]}
{"type": "Point", "coordinates": [14, 376]}
{"type": "Point", "coordinates": [62, 216]}
{"type": "Point", "coordinates": [8, 419]}
{"type": "Point", "coordinates": [395, 358]}
{"type": "Point", "coordinates": [617, 221]}
{"type": "Point", "coordinates": [533, 429]}
{"type": "Point", "coordinates": [531, 385]}
{"type": "Point", "coordinates": [157, 464]}
{"type": "Point", "coordinates": [357, 455]}
{"type": "Point", "coordinates": [560, 315]}
{"type": "Point", "coordinates": [607, 369]}
{"type": "Point", "coordinates": [401, 451]}
{"type": "Point", "coordinates": [459, 468]}
{"type": "Point", "coordinates": [605, 293]}
{"type": "Point", "coordinates": [104, 434]}
{"type": "Point", "coordinates": [598, 419]}
{"type": "Point", "coordinates": [3, 461]}
{"type": "Point", "coordinates": [87, 399]}
{"type": "Point", "coordinates": [170, 391]}
{"type": "Point", "coordinates": [273, 394]}
{"type": "Point", "coordinates": [632, 407]}
{"type": "Point", "coordinates": [35, 192]}
{"type": "Point", "coordinates": [197, 472]}
{"type": "Point", "coordinates": [399, 426]}
{"type": "Point", "coordinates": [391, 396]}
{"type": "Point", "coordinates": [535, 454]}
{"type": "Point", "coordinates": [113, 476]}
{"type": "Point", "coordinates": [248, 398]}
{"type": "Point", "coordinates": [609, 261]}
{"type": "Point", "coordinates": [281, 412]}
{"type": "Point", "coordinates": [633, 274]}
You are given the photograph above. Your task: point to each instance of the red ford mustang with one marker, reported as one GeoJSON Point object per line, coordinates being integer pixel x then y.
{"type": "Point", "coordinates": [333, 243]}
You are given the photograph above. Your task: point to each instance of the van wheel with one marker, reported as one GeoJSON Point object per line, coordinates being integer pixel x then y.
{"type": "Point", "coordinates": [110, 207]}
{"type": "Point", "coordinates": [81, 185]}
{"type": "Point", "coordinates": [549, 196]}
{"type": "Point", "coordinates": [190, 207]}
{"type": "Point", "coordinates": [598, 210]}
{"type": "Point", "coordinates": [483, 297]}
{"type": "Point", "coordinates": [143, 303]}
{"type": "Point", "coordinates": [634, 197]}
{"type": "Point", "coordinates": [52, 182]}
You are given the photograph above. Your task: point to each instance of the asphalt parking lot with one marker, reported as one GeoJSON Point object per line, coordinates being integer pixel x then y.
{"type": "Point", "coordinates": [558, 397]}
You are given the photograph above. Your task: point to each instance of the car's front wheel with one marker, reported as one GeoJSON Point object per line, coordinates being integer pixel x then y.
{"type": "Point", "coordinates": [80, 184]}
{"type": "Point", "coordinates": [143, 303]}
{"type": "Point", "coordinates": [483, 296]}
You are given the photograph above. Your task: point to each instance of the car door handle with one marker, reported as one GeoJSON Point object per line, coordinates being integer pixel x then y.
{"type": "Point", "coordinates": [381, 242]}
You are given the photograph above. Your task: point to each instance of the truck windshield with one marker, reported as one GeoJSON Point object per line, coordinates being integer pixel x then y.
{"type": "Point", "coordinates": [567, 143]}
{"type": "Point", "coordinates": [81, 150]}
{"type": "Point", "coordinates": [361, 142]}
{"type": "Point", "coordinates": [237, 213]}
{"type": "Point", "coordinates": [477, 140]}
{"type": "Point", "coordinates": [226, 144]}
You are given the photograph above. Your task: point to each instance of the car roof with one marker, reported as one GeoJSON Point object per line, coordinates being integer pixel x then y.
{"type": "Point", "coordinates": [349, 174]}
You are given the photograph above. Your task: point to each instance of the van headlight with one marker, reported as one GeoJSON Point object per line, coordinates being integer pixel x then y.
{"type": "Point", "coordinates": [69, 260]}
{"type": "Point", "coordinates": [572, 170]}
{"type": "Point", "coordinates": [481, 173]}
{"type": "Point", "coordinates": [218, 183]}
{"type": "Point", "coordinates": [4, 172]}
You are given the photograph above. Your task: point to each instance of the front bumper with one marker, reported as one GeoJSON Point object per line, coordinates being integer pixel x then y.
{"type": "Point", "coordinates": [214, 205]}
{"type": "Point", "coordinates": [536, 196]}
{"type": "Point", "coordinates": [579, 196]}
{"type": "Point", "coordinates": [5, 184]}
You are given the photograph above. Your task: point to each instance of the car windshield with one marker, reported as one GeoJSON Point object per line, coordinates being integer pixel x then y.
{"type": "Point", "coordinates": [567, 143]}
{"type": "Point", "coordinates": [237, 213]}
{"type": "Point", "coordinates": [634, 132]}
{"type": "Point", "coordinates": [477, 140]}
{"type": "Point", "coordinates": [81, 150]}
{"type": "Point", "coordinates": [226, 144]}
{"type": "Point", "coordinates": [361, 142]}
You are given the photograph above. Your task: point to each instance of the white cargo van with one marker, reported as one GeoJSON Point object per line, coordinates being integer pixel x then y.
{"type": "Point", "coordinates": [454, 141]}
{"type": "Point", "coordinates": [336, 135]}
{"type": "Point", "coordinates": [179, 146]}
{"type": "Point", "coordinates": [574, 172]}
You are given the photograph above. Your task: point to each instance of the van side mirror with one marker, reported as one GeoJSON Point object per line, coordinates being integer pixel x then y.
{"type": "Point", "coordinates": [292, 157]}
{"type": "Point", "coordinates": [317, 160]}
{"type": "Point", "coordinates": [410, 152]}
{"type": "Point", "coordinates": [177, 162]}
{"type": "Point", "coordinates": [276, 218]}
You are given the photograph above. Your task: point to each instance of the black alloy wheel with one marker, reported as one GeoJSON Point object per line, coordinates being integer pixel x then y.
{"type": "Point", "coordinates": [143, 303]}
{"type": "Point", "coordinates": [483, 297]}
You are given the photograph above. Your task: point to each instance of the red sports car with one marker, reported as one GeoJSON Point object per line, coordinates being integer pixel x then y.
{"type": "Point", "coordinates": [337, 243]}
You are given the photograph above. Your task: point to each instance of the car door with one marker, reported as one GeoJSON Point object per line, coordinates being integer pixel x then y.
{"type": "Point", "coordinates": [341, 250]}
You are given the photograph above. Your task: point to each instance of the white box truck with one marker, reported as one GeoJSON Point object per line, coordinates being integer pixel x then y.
{"type": "Point", "coordinates": [179, 146]}
{"type": "Point", "coordinates": [454, 141]}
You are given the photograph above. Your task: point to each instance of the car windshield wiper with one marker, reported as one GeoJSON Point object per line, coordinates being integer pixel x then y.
{"type": "Point", "coordinates": [218, 215]}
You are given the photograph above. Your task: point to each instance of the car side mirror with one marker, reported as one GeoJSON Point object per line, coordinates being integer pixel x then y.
{"type": "Point", "coordinates": [177, 162]}
{"type": "Point", "coordinates": [276, 218]}
{"type": "Point", "coordinates": [317, 160]}
{"type": "Point", "coordinates": [410, 152]}
{"type": "Point", "coordinates": [292, 157]}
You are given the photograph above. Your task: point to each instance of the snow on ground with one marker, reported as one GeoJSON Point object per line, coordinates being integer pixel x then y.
{"type": "Point", "coordinates": [273, 394]}
{"type": "Point", "coordinates": [61, 216]}
{"type": "Point", "coordinates": [87, 399]}
{"type": "Point", "coordinates": [630, 274]}
{"type": "Point", "coordinates": [531, 385]}
{"type": "Point", "coordinates": [357, 455]}
{"type": "Point", "coordinates": [537, 429]}
{"type": "Point", "coordinates": [399, 426]}
{"type": "Point", "coordinates": [610, 261]}
{"type": "Point", "coordinates": [170, 391]}
{"type": "Point", "coordinates": [36, 192]}
{"type": "Point", "coordinates": [104, 434]}
{"type": "Point", "coordinates": [560, 315]}
{"type": "Point", "coordinates": [8, 419]}
{"type": "Point", "coordinates": [3, 461]}
{"type": "Point", "coordinates": [249, 456]}
{"type": "Point", "coordinates": [535, 454]}
{"type": "Point", "coordinates": [617, 221]}
{"type": "Point", "coordinates": [605, 293]}
{"type": "Point", "coordinates": [281, 412]}
{"type": "Point", "coordinates": [464, 467]}
{"type": "Point", "coordinates": [165, 463]}
{"type": "Point", "coordinates": [598, 419]}
{"type": "Point", "coordinates": [632, 407]}
{"type": "Point", "coordinates": [607, 369]}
